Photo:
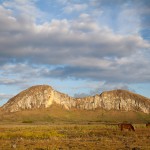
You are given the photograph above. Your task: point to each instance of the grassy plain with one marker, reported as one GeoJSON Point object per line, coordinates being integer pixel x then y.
{"type": "Point", "coordinates": [59, 129]}
{"type": "Point", "coordinates": [73, 137]}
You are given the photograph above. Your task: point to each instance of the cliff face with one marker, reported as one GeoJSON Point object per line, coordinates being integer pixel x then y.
{"type": "Point", "coordinates": [43, 96]}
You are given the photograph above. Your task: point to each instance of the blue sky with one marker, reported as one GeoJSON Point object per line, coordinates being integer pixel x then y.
{"type": "Point", "coordinates": [78, 47]}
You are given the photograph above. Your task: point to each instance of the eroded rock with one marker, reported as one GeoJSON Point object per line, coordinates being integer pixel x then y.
{"type": "Point", "coordinates": [43, 96]}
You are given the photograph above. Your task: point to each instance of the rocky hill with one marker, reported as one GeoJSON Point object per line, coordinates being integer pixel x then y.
{"type": "Point", "coordinates": [43, 96]}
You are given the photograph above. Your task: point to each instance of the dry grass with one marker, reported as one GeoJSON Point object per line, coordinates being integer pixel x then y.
{"type": "Point", "coordinates": [55, 114]}
{"type": "Point", "coordinates": [73, 137]}
{"type": "Point", "coordinates": [59, 129]}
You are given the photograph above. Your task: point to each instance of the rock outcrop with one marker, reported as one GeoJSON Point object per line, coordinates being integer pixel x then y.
{"type": "Point", "coordinates": [43, 96]}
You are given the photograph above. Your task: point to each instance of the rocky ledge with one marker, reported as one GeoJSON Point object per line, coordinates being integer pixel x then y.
{"type": "Point", "coordinates": [43, 96]}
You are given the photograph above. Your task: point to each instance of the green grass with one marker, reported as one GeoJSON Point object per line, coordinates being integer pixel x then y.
{"type": "Point", "coordinates": [29, 133]}
{"type": "Point", "coordinates": [58, 115]}
{"type": "Point", "coordinates": [27, 121]}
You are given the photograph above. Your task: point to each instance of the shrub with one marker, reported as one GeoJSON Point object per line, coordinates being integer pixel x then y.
{"type": "Point", "coordinates": [27, 121]}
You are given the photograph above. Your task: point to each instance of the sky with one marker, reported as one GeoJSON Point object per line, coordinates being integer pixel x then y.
{"type": "Point", "coordinates": [79, 47]}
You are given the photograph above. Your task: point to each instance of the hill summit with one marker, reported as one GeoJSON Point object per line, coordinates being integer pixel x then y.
{"type": "Point", "coordinates": [43, 96]}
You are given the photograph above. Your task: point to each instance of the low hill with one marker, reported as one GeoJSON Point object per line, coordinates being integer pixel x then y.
{"type": "Point", "coordinates": [44, 96]}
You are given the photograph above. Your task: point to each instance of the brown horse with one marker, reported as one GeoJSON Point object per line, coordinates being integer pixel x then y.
{"type": "Point", "coordinates": [148, 124]}
{"type": "Point", "coordinates": [126, 126]}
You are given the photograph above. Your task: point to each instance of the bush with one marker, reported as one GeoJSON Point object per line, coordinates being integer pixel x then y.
{"type": "Point", "coordinates": [27, 121]}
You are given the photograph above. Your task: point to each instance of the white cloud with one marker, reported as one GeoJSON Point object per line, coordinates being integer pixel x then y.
{"type": "Point", "coordinates": [77, 43]}
{"type": "Point", "coordinates": [78, 48]}
{"type": "Point", "coordinates": [75, 7]}
{"type": "Point", "coordinates": [129, 21]}
{"type": "Point", "coordinates": [26, 8]}
{"type": "Point", "coordinates": [5, 96]}
{"type": "Point", "coordinates": [21, 70]}
{"type": "Point", "coordinates": [6, 81]}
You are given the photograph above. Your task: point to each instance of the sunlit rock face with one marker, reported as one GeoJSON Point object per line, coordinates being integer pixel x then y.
{"type": "Point", "coordinates": [116, 100]}
{"type": "Point", "coordinates": [43, 96]}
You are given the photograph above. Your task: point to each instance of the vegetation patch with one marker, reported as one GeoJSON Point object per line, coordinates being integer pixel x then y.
{"type": "Point", "coordinates": [70, 137]}
{"type": "Point", "coordinates": [27, 121]}
{"type": "Point", "coordinates": [57, 115]}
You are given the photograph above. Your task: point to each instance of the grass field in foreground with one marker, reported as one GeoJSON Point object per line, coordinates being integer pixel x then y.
{"type": "Point", "coordinates": [73, 137]}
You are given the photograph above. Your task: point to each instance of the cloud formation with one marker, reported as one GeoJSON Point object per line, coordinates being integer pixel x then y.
{"type": "Point", "coordinates": [89, 41]}
{"type": "Point", "coordinates": [5, 96]}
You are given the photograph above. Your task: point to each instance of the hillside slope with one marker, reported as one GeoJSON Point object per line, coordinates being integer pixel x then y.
{"type": "Point", "coordinates": [55, 114]}
{"type": "Point", "coordinates": [43, 96]}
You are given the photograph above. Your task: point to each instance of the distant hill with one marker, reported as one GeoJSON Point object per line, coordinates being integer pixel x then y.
{"type": "Point", "coordinates": [44, 96]}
